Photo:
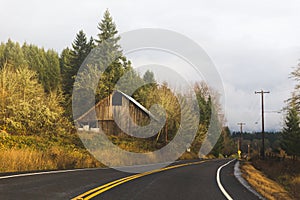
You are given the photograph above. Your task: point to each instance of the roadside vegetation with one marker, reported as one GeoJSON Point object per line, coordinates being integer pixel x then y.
{"type": "Point", "coordinates": [266, 187]}
{"type": "Point", "coordinates": [27, 153]}
{"type": "Point", "coordinates": [278, 175]}
{"type": "Point", "coordinates": [286, 173]}
{"type": "Point", "coordinates": [36, 118]}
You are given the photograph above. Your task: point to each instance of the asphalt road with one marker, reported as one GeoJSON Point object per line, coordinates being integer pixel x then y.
{"type": "Point", "coordinates": [193, 181]}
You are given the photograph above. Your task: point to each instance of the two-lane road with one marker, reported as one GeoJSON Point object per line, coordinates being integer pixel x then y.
{"type": "Point", "coordinates": [181, 181]}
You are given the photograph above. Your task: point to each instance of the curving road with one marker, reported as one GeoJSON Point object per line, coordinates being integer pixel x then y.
{"type": "Point", "coordinates": [196, 180]}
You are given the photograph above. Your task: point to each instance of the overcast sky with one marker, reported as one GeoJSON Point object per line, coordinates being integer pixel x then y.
{"type": "Point", "coordinates": [254, 44]}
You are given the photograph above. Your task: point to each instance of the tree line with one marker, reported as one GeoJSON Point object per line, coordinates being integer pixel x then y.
{"type": "Point", "coordinates": [36, 87]}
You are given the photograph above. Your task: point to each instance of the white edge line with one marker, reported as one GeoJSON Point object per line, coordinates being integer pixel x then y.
{"type": "Point", "coordinates": [238, 176]}
{"type": "Point", "coordinates": [219, 181]}
{"type": "Point", "coordinates": [74, 170]}
{"type": "Point", "coordinates": [48, 172]}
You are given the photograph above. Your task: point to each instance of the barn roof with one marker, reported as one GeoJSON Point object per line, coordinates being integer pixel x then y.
{"type": "Point", "coordinates": [137, 104]}
{"type": "Point", "coordinates": [127, 97]}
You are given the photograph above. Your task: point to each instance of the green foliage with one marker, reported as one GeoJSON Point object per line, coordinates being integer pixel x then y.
{"type": "Point", "coordinates": [108, 31]}
{"type": "Point", "coordinates": [33, 80]}
{"type": "Point", "coordinates": [26, 153]}
{"type": "Point", "coordinates": [204, 103]}
{"type": "Point", "coordinates": [291, 132]}
{"type": "Point", "coordinates": [112, 60]}
{"type": "Point", "coordinates": [147, 91]}
{"type": "Point", "coordinates": [130, 80]}
{"type": "Point", "coordinates": [12, 54]}
{"type": "Point", "coordinates": [65, 67]}
{"type": "Point", "coordinates": [225, 145]}
{"type": "Point", "coordinates": [106, 62]}
{"type": "Point", "coordinates": [149, 77]}
{"type": "Point", "coordinates": [272, 142]}
{"type": "Point", "coordinates": [44, 63]}
{"type": "Point", "coordinates": [71, 60]}
{"type": "Point", "coordinates": [25, 108]}
{"type": "Point", "coordinates": [51, 79]}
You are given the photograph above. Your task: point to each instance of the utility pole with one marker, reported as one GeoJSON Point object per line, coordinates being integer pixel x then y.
{"type": "Point", "coordinates": [248, 157]}
{"type": "Point", "coordinates": [240, 139]}
{"type": "Point", "coordinates": [262, 122]}
{"type": "Point", "coordinates": [241, 124]}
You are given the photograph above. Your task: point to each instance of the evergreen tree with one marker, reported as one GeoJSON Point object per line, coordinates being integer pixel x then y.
{"type": "Point", "coordinates": [149, 77]}
{"type": "Point", "coordinates": [129, 81]}
{"type": "Point", "coordinates": [291, 132]}
{"type": "Point", "coordinates": [12, 54]}
{"type": "Point", "coordinates": [65, 68]}
{"type": "Point", "coordinates": [52, 80]}
{"type": "Point", "coordinates": [111, 55]}
{"type": "Point", "coordinates": [45, 63]}
{"type": "Point", "coordinates": [149, 85]}
{"type": "Point", "coordinates": [71, 60]}
{"type": "Point", "coordinates": [108, 31]}
{"type": "Point", "coordinates": [215, 127]}
{"type": "Point", "coordinates": [81, 47]}
{"type": "Point", "coordinates": [228, 147]}
{"type": "Point", "coordinates": [36, 60]}
{"type": "Point", "coordinates": [204, 103]}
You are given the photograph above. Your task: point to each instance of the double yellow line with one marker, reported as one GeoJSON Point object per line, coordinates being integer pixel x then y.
{"type": "Point", "coordinates": [98, 190]}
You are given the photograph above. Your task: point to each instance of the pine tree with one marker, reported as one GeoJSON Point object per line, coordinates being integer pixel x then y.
{"type": "Point", "coordinates": [108, 31]}
{"type": "Point", "coordinates": [65, 68]}
{"type": "Point", "coordinates": [111, 55]}
{"type": "Point", "coordinates": [45, 63]}
{"type": "Point", "coordinates": [71, 60]}
{"type": "Point", "coordinates": [149, 85]}
{"type": "Point", "coordinates": [80, 49]}
{"type": "Point", "coordinates": [52, 79]}
{"type": "Point", "coordinates": [105, 60]}
{"type": "Point", "coordinates": [149, 77]}
{"type": "Point", "coordinates": [290, 141]}
{"type": "Point", "coordinates": [12, 54]}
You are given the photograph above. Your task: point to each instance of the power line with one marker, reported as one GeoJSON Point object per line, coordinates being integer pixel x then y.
{"type": "Point", "coordinates": [262, 122]}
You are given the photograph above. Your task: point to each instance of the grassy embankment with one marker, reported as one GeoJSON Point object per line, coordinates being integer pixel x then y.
{"type": "Point", "coordinates": [274, 179]}
{"type": "Point", "coordinates": [26, 153]}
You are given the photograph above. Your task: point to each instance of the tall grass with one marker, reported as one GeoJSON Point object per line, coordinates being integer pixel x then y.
{"type": "Point", "coordinates": [286, 173]}
{"type": "Point", "coordinates": [263, 185]}
{"type": "Point", "coordinates": [13, 160]}
{"type": "Point", "coordinates": [26, 153]}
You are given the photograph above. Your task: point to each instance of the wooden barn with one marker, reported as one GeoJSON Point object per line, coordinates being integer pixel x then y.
{"type": "Point", "coordinates": [102, 116]}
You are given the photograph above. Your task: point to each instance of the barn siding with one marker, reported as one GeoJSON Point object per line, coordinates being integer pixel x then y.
{"type": "Point", "coordinates": [105, 115]}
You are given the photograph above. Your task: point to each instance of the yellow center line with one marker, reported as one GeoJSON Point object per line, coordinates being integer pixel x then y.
{"type": "Point", "coordinates": [98, 190]}
{"type": "Point", "coordinates": [100, 187]}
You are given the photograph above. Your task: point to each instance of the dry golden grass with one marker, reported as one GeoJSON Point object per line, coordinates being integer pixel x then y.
{"type": "Point", "coordinates": [285, 172]}
{"type": "Point", "coordinates": [188, 156]}
{"type": "Point", "coordinates": [29, 153]}
{"type": "Point", "coordinates": [22, 160]}
{"type": "Point", "coordinates": [263, 185]}
{"type": "Point", "coordinates": [13, 160]}
{"type": "Point", "coordinates": [295, 186]}
{"type": "Point", "coordinates": [296, 180]}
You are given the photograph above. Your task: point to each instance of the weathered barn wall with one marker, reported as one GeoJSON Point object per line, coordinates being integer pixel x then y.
{"type": "Point", "coordinates": [115, 107]}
